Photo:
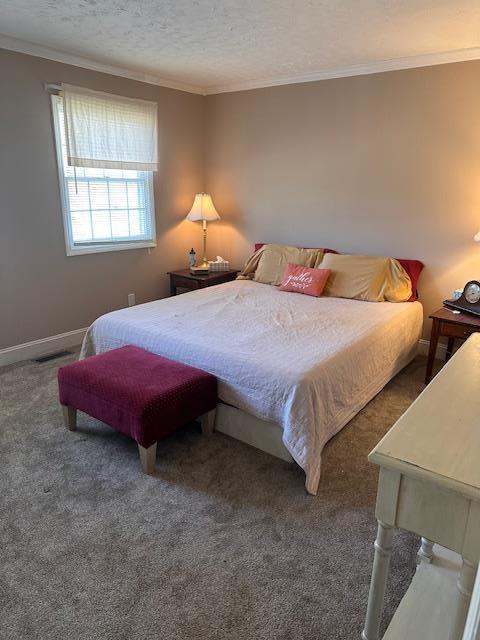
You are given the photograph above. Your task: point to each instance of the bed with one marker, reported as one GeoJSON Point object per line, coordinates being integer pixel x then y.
{"type": "Point", "coordinates": [292, 369]}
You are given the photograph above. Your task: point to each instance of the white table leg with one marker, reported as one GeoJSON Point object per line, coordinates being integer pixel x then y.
{"type": "Point", "coordinates": [381, 562]}
{"type": "Point", "coordinates": [472, 625]}
{"type": "Point", "coordinates": [425, 553]}
{"type": "Point", "coordinates": [465, 582]}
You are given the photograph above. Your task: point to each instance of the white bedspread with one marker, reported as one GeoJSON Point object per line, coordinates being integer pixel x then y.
{"type": "Point", "coordinates": [308, 364]}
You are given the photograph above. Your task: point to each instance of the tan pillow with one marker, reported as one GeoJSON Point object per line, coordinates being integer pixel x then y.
{"type": "Point", "coordinates": [374, 279]}
{"type": "Point", "coordinates": [275, 257]}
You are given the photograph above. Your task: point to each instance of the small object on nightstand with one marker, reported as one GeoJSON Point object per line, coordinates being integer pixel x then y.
{"type": "Point", "coordinates": [192, 258]}
{"type": "Point", "coordinates": [185, 280]}
{"type": "Point", "coordinates": [220, 264]}
{"type": "Point", "coordinates": [199, 271]}
{"type": "Point", "coordinates": [451, 325]}
{"type": "Point", "coordinates": [456, 294]}
{"type": "Point", "coordinates": [469, 300]}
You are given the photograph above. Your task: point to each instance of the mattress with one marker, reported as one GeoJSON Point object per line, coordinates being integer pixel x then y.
{"type": "Point", "coordinates": [308, 364]}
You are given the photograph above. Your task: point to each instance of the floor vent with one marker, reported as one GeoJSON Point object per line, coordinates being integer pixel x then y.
{"type": "Point", "coordinates": [52, 356]}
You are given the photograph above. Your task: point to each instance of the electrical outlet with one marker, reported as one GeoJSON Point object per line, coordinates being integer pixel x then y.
{"type": "Point", "coordinates": [131, 299]}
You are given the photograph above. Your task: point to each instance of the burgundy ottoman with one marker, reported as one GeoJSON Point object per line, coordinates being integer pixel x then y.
{"type": "Point", "coordinates": [138, 393]}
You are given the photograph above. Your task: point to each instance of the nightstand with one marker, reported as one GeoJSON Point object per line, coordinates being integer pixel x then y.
{"type": "Point", "coordinates": [185, 280]}
{"type": "Point", "coordinates": [449, 325]}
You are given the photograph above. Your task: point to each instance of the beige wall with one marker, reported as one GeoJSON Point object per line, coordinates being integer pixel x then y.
{"type": "Point", "coordinates": [42, 291]}
{"type": "Point", "coordinates": [380, 164]}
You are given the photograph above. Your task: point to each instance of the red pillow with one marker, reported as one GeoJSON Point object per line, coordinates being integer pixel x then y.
{"type": "Point", "coordinates": [300, 279]}
{"type": "Point", "coordinates": [259, 245]}
{"type": "Point", "coordinates": [414, 269]}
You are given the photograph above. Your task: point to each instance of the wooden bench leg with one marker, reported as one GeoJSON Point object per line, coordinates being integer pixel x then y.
{"type": "Point", "coordinates": [148, 458]}
{"type": "Point", "coordinates": [208, 422]}
{"type": "Point", "coordinates": [69, 417]}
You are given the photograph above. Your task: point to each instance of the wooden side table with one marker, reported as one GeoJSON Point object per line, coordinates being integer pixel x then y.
{"type": "Point", "coordinates": [185, 280]}
{"type": "Point", "coordinates": [452, 326]}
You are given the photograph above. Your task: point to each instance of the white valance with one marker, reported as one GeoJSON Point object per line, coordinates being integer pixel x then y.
{"type": "Point", "coordinates": [108, 131]}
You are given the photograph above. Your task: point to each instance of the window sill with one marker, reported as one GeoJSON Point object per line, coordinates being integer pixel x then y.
{"type": "Point", "coordinates": [105, 248]}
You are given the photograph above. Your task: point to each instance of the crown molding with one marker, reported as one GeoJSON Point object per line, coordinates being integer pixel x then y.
{"type": "Point", "coordinates": [382, 66]}
{"type": "Point", "coordinates": [39, 51]}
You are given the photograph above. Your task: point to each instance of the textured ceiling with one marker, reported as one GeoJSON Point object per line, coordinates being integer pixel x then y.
{"type": "Point", "coordinates": [216, 44]}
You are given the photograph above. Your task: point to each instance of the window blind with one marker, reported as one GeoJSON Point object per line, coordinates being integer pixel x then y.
{"type": "Point", "coordinates": [107, 131]}
{"type": "Point", "coordinates": [102, 207]}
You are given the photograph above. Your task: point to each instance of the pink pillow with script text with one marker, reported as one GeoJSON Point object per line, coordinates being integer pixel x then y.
{"type": "Point", "coordinates": [301, 279]}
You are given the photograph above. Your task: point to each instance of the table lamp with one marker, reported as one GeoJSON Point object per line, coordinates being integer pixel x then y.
{"type": "Point", "coordinates": [476, 237]}
{"type": "Point", "coordinates": [203, 209]}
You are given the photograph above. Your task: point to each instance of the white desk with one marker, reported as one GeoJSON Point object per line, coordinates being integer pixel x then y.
{"type": "Point", "coordinates": [429, 483]}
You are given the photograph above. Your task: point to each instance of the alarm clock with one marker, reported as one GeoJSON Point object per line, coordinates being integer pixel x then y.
{"type": "Point", "coordinates": [469, 301]}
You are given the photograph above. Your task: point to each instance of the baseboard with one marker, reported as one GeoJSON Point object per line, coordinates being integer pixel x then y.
{"type": "Point", "coordinates": [424, 346]}
{"type": "Point", "coordinates": [42, 347]}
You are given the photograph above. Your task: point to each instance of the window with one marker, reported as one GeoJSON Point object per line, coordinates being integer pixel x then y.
{"type": "Point", "coordinates": [103, 209]}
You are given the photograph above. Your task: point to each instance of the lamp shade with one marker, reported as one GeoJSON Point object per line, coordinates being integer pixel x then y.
{"type": "Point", "coordinates": [203, 208]}
{"type": "Point", "coordinates": [477, 237]}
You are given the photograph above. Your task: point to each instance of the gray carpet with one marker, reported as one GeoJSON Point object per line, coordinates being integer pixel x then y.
{"type": "Point", "coordinates": [222, 543]}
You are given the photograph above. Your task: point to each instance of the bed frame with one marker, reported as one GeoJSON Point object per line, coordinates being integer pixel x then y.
{"type": "Point", "coordinates": [258, 433]}
{"type": "Point", "coordinates": [267, 436]}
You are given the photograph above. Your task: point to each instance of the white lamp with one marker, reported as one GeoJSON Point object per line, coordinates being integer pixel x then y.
{"type": "Point", "coordinates": [204, 210]}
{"type": "Point", "coordinates": [477, 237]}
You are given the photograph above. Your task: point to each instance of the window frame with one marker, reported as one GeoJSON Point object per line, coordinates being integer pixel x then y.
{"type": "Point", "coordinates": [76, 249]}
